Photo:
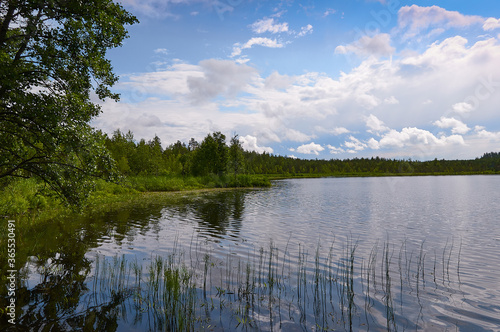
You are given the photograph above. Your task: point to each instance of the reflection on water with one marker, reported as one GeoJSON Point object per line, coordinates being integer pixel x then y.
{"type": "Point", "coordinates": [417, 253]}
{"type": "Point", "coordinates": [217, 214]}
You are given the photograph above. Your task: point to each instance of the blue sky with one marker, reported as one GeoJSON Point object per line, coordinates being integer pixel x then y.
{"type": "Point", "coordinates": [316, 79]}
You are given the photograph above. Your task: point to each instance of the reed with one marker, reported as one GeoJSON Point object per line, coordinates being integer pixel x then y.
{"type": "Point", "coordinates": [337, 289]}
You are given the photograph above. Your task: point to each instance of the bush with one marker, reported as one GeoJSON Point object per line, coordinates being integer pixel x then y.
{"type": "Point", "coordinates": [19, 196]}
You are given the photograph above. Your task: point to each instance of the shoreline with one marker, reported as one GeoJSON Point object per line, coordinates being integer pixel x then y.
{"type": "Point", "coordinates": [110, 196]}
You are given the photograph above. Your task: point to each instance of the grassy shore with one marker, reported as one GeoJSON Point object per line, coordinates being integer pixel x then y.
{"type": "Point", "coordinates": [31, 200]}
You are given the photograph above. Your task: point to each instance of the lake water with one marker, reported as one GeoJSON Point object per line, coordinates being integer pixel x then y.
{"type": "Point", "coordinates": [389, 253]}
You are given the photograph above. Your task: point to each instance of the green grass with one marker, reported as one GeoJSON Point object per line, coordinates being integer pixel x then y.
{"type": "Point", "coordinates": [177, 183]}
{"type": "Point", "coordinates": [31, 199]}
{"type": "Point", "coordinates": [24, 196]}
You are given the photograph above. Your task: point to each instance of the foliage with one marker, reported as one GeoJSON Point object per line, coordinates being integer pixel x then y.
{"type": "Point", "coordinates": [19, 196]}
{"type": "Point", "coordinates": [52, 57]}
{"type": "Point", "coordinates": [236, 157]}
{"type": "Point", "coordinates": [211, 156]}
{"type": "Point", "coordinates": [150, 183]}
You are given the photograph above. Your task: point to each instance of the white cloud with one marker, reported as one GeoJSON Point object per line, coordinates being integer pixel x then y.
{"type": "Point", "coordinates": [378, 45]}
{"type": "Point", "coordinates": [417, 19]}
{"type": "Point", "coordinates": [391, 100]}
{"type": "Point", "coordinates": [458, 127]}
{"type": "Point", "coordinates": [374, 124]}
{"type": "Point", "coordinates": [265, 42]}
{"type": "Point", "coordinates": [411, 136]}
{"type": "Point", "coordinates": [483, 133]}
{"type": "Point", "coordinates": [163, 51]}
{"type": "Point", "coordinates": [260, 41]}
{"type": "Point", "coordinates": [305, 30]}
{"type": "Point", "coordinates": [220, 77]}
{"type": "Point", "coordinates": [462, 107]}
{"type": "Point", "coordinates": [249, 143]}
{"type": "Point", "coordinates": [311, 148]}
{"type": "Point", "coordinates": [269, 25]}
{"type": "Point", "coordinates": [491, 24]}
{"type": "Point", "coordinates": [373, 144]}
{"type": "Point", "coordinates": [335, 150]}
{"type": "Point", "coordinates": [296, 136]}
{"type": "Point", "coordinates": [354, 145]}
{"type": "Point", "coordinates": [333, 131]}
{"type": "Point", "coordinates": [340, 131]}
{"type": "Point", "coordinates": [169, 82]}
{"type": "Point", "coordinates": [277, 81]}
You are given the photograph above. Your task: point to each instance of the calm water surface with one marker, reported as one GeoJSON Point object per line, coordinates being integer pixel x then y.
{"type": "Point", "coordinates": [396, 253]}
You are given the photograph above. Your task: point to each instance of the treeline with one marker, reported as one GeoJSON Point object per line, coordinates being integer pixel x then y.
{"type": "Point", "coordinates": [211, 156]}
{"type": "Point", "coordinates": [216, 156]}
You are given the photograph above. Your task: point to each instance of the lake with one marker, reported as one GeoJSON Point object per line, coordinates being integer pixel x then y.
{"type": "Point", "coordinates": [382, 253]}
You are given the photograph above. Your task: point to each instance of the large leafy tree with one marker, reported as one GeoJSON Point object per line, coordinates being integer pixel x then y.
{"type": "Point", "coordinates": [211, 156]}
{"type": "Point", "coordinates": [52, 59]}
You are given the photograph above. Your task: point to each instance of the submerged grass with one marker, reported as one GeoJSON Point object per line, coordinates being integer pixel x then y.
{"type": "Point", "coordinates": [265, 291]}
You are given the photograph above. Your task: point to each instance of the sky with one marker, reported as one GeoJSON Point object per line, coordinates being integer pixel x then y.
{"type": "Point", "coordinates": [313, 79]}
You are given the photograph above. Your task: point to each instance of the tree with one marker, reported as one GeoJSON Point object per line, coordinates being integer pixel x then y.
{"type": "Point", "coordinates": [211, 155]}
{"type": "Point", "coordinates": [193, 144]}
{"type": "Point", "coordinates": [52, 57]}
{"type": "Point", "coordinates": [236, 158]}
{"type": "Point", "coordinates": [156, 163]}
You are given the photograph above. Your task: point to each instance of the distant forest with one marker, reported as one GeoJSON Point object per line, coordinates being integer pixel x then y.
{"type": "Point", "coordinates": [216, 156]}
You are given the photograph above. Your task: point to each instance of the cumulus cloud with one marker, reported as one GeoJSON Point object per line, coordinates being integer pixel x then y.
{"type": "Point", "coordinates": [483, 133]}
{"type": "Point", "coordinates": [296, 136]}
{"type": "Point", "coordinates": [277, 81]}
{"type": "Point", "coordinates": [249, 143]}
{"type": "Point", "coordinates": [373, 144]}
{"type": "Point", "coordinates": [221, 77]}
{"type": "Point", "coordinates": [169, 82]}
{"type": "Point", "coordinates": [354, 145]}
{"type": "Point", "coordinates": [491, 24]}
{"type": "Point", "coordinates": [333, 131]}
{"type": "Point", "coordinates": [335, 150]}
{"type": "Point", "coordinates": [417, 19]}
{"type": "Point", "coordinates": [462, 107]}
{"type": "Point", "coordinates": [457, 126]}
{"type": "Point", "coordinates": [311, 148]}
{"type": "Point", "coordinates": [269, 25]}
{"type": "Point", "coordinates": [374, 124]}
{"type": "Point", "coordinates": [378, 45]}
{"type": "Point", "coordinates": [411, 136]}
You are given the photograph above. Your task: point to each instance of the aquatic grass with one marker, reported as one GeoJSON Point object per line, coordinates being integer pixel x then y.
{"type": "Point", "coordinates": [337, 288]}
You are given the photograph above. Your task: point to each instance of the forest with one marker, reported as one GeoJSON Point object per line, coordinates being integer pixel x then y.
{"type": "Point", "coordinates": [214, 156]}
